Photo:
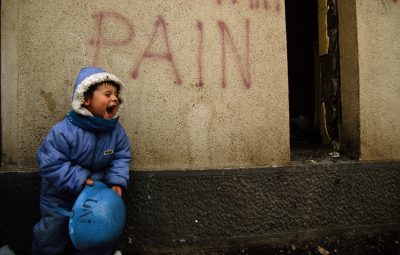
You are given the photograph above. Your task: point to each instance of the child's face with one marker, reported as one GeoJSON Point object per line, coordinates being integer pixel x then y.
{"type": "Point", "coordinates": [104, 102]}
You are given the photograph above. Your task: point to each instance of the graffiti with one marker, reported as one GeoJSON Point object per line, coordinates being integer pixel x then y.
{"type": "Point", "coordinates": [240, 56]}
{"type": "Point", "coordinates": [267, 5]}
{"type": "Point", "coordinates": [101, 40]}
{"type": "Point", "coordinates": [254, 4]}
{"type": "Point", "coordinates": [160, 23]}
{"type": "Point", "coordinates": [244, 71]}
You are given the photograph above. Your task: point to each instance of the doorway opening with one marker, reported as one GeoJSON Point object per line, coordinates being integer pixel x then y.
{"type": "Point", "coordinates": [313, 79]}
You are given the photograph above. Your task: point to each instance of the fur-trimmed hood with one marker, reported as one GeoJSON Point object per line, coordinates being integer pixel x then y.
{"type": "Point", "coordinates": [87, 77]}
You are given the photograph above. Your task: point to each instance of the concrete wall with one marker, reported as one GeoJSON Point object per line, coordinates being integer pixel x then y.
{"type": "Point", "coordinates": [370, 61]}
{"type": "Point", "coordinates": [206, 81]}
{"type": "Point", "coordinates": [379, 56]}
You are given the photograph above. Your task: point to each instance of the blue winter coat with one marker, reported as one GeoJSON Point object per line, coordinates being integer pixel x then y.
{"type": "Point", "coordinates": [69, 155]}
{"type": "Point", "coordinates": [76, 149]}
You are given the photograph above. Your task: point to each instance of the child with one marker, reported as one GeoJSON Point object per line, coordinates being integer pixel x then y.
{"type": "Point", "coordinates": [88, 145]}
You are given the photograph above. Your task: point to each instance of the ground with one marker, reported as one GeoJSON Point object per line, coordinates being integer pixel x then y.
{"type": "Point", "coordinates": [373, 244]}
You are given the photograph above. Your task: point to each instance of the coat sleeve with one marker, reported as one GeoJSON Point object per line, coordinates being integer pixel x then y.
{"type": "Point", "coordinates": [118, 171]}
{"type": "Point", "coordinates": [56, 166]}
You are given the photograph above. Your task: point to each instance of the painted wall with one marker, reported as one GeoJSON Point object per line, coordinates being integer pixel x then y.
{"type": "Point", "coordinates": [370, 70]}
{"type": "Point", "coordinates": [206, 81]}
{"type": "Point", "coordinates": [379, 58]}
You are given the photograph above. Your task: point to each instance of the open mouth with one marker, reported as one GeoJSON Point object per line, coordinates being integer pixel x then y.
{"type": "Point", "coordinates": [111, 109]}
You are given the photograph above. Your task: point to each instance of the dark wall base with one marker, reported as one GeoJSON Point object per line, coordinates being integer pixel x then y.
{"type": "Point", "coordinates": [189, 211]}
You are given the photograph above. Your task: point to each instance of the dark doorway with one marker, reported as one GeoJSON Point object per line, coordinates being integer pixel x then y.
{"type": "Point", "coordinates": [314, 78]}
{"type": "Point", "coordinates": [302, 47]}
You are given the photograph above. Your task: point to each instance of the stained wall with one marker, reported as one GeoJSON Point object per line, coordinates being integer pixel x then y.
{"type": "Point", "coordinates": [205, 81]}
{"type": "Point", "coordinates": [379, 57]}
{"type": "Point", "coordinates": [370, 64]}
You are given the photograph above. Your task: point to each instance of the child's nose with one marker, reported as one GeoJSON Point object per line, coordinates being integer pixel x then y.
{"type": "Point", "coordinates": [114, 97]}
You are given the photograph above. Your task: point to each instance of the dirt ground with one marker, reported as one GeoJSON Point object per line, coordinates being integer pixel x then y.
{"type": "Point", "coordinates": [374, 244]}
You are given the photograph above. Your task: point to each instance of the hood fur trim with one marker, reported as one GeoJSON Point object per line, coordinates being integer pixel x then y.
{"type": "Point", "coordinates": [79, 99]}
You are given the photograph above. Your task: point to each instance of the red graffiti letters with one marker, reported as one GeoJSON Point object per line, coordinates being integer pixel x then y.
{"type": "Point", "coordinates": [101, 39]}
{"type": "Point", "coordinates": [241, 57]}
{"type": "Point", "coordinates": [243, 69]}
{"type": "Point", "coordinates": [259, 4]}
{"type": "Point", "coordinates": [160, 23]}
{"type": "Point", "coordinates": [254, 4]}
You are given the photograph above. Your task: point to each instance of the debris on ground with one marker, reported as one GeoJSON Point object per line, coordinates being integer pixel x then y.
{"type": "Point", "coordinates": [322, 251]}
{"type": "Point", "coordinates": [371, 244]}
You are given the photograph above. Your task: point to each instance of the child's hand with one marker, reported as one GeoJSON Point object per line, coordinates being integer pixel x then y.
{"type": "Point", "coordinates": [117, 189]}
{"type": "Point", "coordinates": [89, 182]}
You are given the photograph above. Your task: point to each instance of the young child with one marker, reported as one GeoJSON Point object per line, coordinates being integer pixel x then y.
{"type": "Point", "coordinates": [88, 145]}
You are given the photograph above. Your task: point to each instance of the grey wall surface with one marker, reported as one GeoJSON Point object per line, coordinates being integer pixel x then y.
{"type": "Point", "coordinates": [379, 57]}
{"type": "Point", "coordinates": [206, 81]}
{"type": "Point", "coordinates": [370, 60]}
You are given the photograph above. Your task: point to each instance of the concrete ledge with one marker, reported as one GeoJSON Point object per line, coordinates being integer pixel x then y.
{"type": "Point", "coordinates": [211, 210]}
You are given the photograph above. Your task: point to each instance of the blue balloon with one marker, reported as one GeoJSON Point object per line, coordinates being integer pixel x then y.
{"type": "Point", "coordinates": [97, 218]}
